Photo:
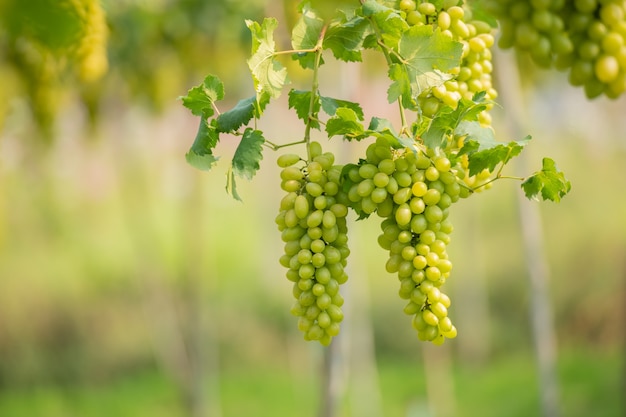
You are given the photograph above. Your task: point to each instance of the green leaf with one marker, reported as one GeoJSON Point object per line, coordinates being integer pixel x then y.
{"type": "Point", "coordinates": [436, 134]}
{"type": "Point", "coordinates": [345, 39]}
{"type": "Point", "coordinates": [239, 115]}
{"type": "Point", "coordinates": [427, 57]}
{"type": "Point", "coordinates": [461, 121]}
{"type": "Point", "coordinates": [483, 135]}
{"type": "Point", "coordinates": [231, 184]}
{"type": "Point", "coordinates": [200, 98]}
{"type": "Point", "coordinates": [330, 106]}
{"type": "Point", "coordinates": [301, 102]}
{"type": "Point", "coordinates": [345, 122]}
{"type": "Point", "coordinates": [491, 157]}
{"type": "Point", "coordinates": [268, 74]}
{"type": "Point", "coordinates": [328, 10]}
{"type": "Point", "coordinates": [389, 23]}
{"type": "Point", "coordinates": [400, 87]}
{"type": "Point", "coordinates": [380, 124]}
{"type": "Point", "coordinates": [305, 35]}
{"type": "Point", "coordinates": [549, 182]}
{"type": "Point", "coordinates": [200, 154]}
{"type": "Point", "coordinates": [380, 127]}
{"type": "Point", "coordinates": [248, 154]}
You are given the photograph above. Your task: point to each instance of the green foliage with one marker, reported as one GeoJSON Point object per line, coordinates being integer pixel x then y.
{"type": "Point", "coordinates": [200, 155]}
{"type": "Point", "coordinates": [346, 123]}
{"type": "Point", "coordinates": [491, 155]}
{"type": "Point", "coordinates": [550, 183]}
{"type": "Point", "coordinates": [426, 57]}
{"type": "Point", "coordinates": [461, 121]}
{"type": "Point", "coordinates": [242, 113]}
{"type": "Point", "coordinates": [248, 154]}
{"type": "Point", "coordinates": [420, 58]}
{"type": "Point", "coordinates": [345, 38]}
{"type": "Point", "coordinates": [201, 99]}
{"type": "Point", "coordinates": [268, 73]}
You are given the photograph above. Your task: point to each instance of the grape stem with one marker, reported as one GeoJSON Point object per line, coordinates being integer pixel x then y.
{"type": "Point", "coordinates": [276, 147]}
{"type": "Point", "coordinates": [385, 49]}
{"type": "Point", "coordinates": [498, 177]}
{"type": "Point", "coordinates": [314, 90]}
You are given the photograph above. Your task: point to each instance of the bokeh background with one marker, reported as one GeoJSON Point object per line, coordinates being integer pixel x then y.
{"type": "Point", "coordinates": [133, 285]}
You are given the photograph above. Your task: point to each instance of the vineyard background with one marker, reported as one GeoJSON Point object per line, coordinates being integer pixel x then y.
{"type": "Point", "coordinates": [129, 279]}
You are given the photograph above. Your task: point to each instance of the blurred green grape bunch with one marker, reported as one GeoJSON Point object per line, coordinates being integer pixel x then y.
{"type": "Point", "coordinates": [114, 54]}
{"type": "Point", "coordinates": [44, 41]}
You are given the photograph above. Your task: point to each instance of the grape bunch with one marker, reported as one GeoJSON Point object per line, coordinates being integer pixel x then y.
{"type": "Point", "coordinates": [536, 27]}
{"type": "Point", "coordinates": [585, 37]}
{"type": "Point", "coordinates": [90, 50]}
{"type": "Point", "coordinates": [474, 73]}
{"type": "Point", "coordinates": [312, 220]}
{"type": "Point", "coordinates": [413, 193]}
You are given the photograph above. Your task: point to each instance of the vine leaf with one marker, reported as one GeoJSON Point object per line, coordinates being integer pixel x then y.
{"type": "Point", "coordinates": [488, 155]}
{"type": "Point", "coordinates": [231, 184]}
{"type": "Point", "coordinates": [345, 39]}
{"type": "Point", "coordinates": [345, 122]}
{"type": "Point", "coordinates": [248, 154]}
{"type": "Point", "coordinates": [242, 113]}
{"type": "Point", "coordinates": [482, 136]}
{"type": "Point", "coordinates": [246, 160]}
{"type": "Point", "coordinates": [549, 182]}
{"type": "Point", "coordinates": [268, 74]}
{"type": "Point", "coordinates": [200, 99]}
{"type": "Point", "coordinates": [200, 154]}
{"type": "Point", "coordinates": [461, 121]}
{"type": "Point", "coordinates": [401, 86]}
{"type": "Point", "coordinates": [330, 106]}
{"type": "Point", "coordinates": [305, 35]}
{"type": "Point", "coordinates": [390, 24]}
{"type": "Point", "coordinates": [301, 101]}
{"type": "Point", "coordinates": [426, 58]}
{"type": "Point", "coordinates": [382, 128]}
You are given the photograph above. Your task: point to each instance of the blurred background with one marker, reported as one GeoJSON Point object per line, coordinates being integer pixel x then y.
{"type": "Point", "coordinates": [131, 284]}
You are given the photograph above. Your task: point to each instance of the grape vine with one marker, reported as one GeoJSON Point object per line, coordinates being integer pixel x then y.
{"type": "Point", "coordinates": [438, 57]}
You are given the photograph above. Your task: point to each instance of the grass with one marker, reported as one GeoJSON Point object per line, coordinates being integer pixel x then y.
{"type": "Point", "coordinates": [590, 385]}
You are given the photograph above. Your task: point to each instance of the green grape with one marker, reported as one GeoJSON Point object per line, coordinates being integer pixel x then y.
{"type": "Point", "coordinates": [415, 228]}
{"type": "Point", "coordinates": [583, 37]}
{"type": "Point", "coordinates": [287, 160]}
{"type": "Point", "coordinates": [312, 224]}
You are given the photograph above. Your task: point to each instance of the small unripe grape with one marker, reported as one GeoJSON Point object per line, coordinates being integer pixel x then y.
{"type": "Point", "coordinates": [402, 195]}
{"type": "Point", "coordinates": [439, 310]}
{"type": "Point", "coordinates": [368, 170]}
{"type": "Point", "coordinates": [445, 324]}
{"type": "Point", "coordinates": [403, 214]}
{"type": "Point", "coordinates": [315, 149]}
{"type": "Point", "coordinates": [381, 179]}
{"type": "Point", "coordinates": [419, 189]}
{"type": "Point", "coordinates": [301, 206]}
{"type": "Point", "coordinates": [407, 5]}
{"type": "Point", "coordinates": [430, 318]}
{"type": "Point", "coordinates": [286, 160]}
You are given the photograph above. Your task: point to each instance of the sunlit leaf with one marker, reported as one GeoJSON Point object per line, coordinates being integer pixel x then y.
{"type": "Point", "coordinates": [550, 183]}
{"type": "Point", "coordinates": [268, 74]}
